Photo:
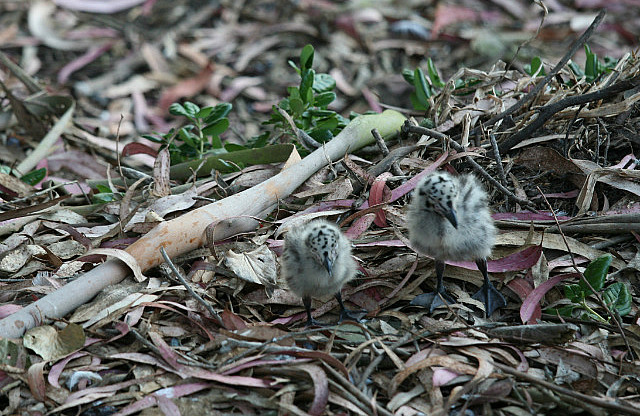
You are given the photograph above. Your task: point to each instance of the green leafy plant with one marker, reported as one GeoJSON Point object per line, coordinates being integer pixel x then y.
{"type": "Point", "coordinates": [616, 295]}
{"type": "Point", "coordinates": [535, 67]}
{"type": "Point", "coordinates": [429, 85]}
{"type": "Point", "coordinates": [200, 136]}
{"type": "Point", "coordinates": [593, 68]}
{"type": "Point", "coordinates": [308, 103]}
{"type": "Point", "coordinates": [105, 195]}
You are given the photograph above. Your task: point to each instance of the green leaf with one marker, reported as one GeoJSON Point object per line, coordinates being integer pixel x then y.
{"type": "Point", "coordinates": [177, 109]}
{"type": "Point", "coordinates": [218, 112]}
{"type": "Point", "coordinates": [562, 311]}
{"type": "Point", "coordinates": [327, 124]}
{"type": "Point", "coordinates": [323, 83]}
{"type": "Point", "coordinates": [433, 74]}
{"type": "Point", "coordinates": [417, 105]}
{"type": "Point", "coordinates": [204, 113]}
{"type": "Point", "coordinates": [575, 68]}
{"type": "Point", "coordinates": [217, 128]}
{"type": "Point", "coordinates": [320, 113]}
{"type": "Point", "coordinates": [596, 273]}
{"type": "Point", "coordinates": [617, 296]}
{"type": "Point", "coordinates": [574, 293]}
{"type": "Point", "coordinates": [294, 66]}
{"type": "Point", "coordinates": [536, 63]}
{"type": "Point", "coordinates": [306, 57]}
{"type": "Point", "coordinates": [34, 177]}
{"type": "Point", "coordinates": [192, 109]}
{"type": "Point", "coordinates": [306, 85]}
{"type": "Point", "coordinates": [407, 74]}
{"type": "Point", "coordinates": [234, 147]}
{"type": "Point", "coordinates": [103, 189]}
{"type": "Point", "coordinates": [423, 90]}
{"type": "Point", "coordinates": [321, 135]}
{"type": "Point", "coordinates": [297, 107]}
{"type": "Point", "coordinates": [103, 198]}
{"type": "Point", "coordinates": [187, 137]}
{"type": "Point", "coordinates": [324, 99]}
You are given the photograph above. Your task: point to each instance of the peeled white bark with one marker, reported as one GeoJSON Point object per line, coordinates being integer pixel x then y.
{"type": "Point", "coordinates": [186, 233]}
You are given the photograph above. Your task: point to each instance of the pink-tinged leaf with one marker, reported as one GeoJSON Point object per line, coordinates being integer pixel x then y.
{"type": "Point", "coordinates": [524, 362]}
{"type": "Point", "coordinates": [383, 243]}
{"type": "Point", "coordinates": [442, 376]}
{"type": "Point", "coordinates": [91, 55]}
{"type": "Point", "coordinates": [185, 371]}
{"type": "Point", "coordinates": [35, 380]}
{"type": "Point", "coordinates": [328, 205]}
{"type": "Point", "coordinates": [262, 363]}
{"type": "Point", "coordinates": [57, 368]}
{"type": "Point", "coordinates": [138, 148]}
{"type": "Point", "coordinates": [533, 300]}
{"type": "Point", "coordinates": [521, 260]}
{"type": "Point", "coordinates": [379, 194]}
{"type": "Point", "coordinates": [277, 246]}
{"type": "Point", "coordinates": [231, 321]}
{"type": "Point", "coordinates": [409, 185]}
{"type": "Point", "coordinates": [447, 15]}
{"type": "Point", "coordinates": [522, 287]}
{"type": "Point", "coordinates": [161, 396]}
{"type": "Point", "coordinates": [189, 87]}
{"type": "Point", "coordinates": [527, 216]}
{"type": "Point", "coordinates": [320, 388]}
{"type": "Point", "coordinates": [560, 195]}
{"type": "Point", "coordinates": [628, 158]}
{"type": "Point", "coordinates": [359, 226]}
{"type": "Point", "coordinates": [320, 355]}
{"type": "Point", "coordinates": [6, 310]}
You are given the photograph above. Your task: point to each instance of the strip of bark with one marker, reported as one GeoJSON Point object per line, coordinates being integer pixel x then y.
{"type": "Point", "coordinates": [186, 232]}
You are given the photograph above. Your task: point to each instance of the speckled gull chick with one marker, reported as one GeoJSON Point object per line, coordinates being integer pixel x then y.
{"type": "Point", "coordinates": [317, 262]}
{"type": "Point", "coordinates": [449, 219]}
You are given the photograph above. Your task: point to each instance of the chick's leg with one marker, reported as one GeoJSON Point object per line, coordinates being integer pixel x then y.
{"type": "Point", "coordinates": [488, 294]}
{"type": "Point", "coordinates": [440, 297]}
{"type": "Point", "coordinates": [353, 315]}
{"type": "Point", "coordinates": [306, 300]}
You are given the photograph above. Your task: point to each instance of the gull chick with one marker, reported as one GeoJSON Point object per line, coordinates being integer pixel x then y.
{"type": "Point", "coordinates": [449, 219]}
{"type": "Point", "coordinates": [317, 262]}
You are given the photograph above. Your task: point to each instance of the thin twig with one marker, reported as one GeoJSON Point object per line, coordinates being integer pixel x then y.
{"type": "Point", "coordinates": [395, 167]}
{"type": "Point", "coordinates": [408, 127]}
{"type": "Point", "coordinates": [496, 155]}
{"type": "Point", "coordinates": [178, 275]}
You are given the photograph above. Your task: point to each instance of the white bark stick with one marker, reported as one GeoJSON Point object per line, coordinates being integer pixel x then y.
{"type": "Point", "coordinates": [186, 233]}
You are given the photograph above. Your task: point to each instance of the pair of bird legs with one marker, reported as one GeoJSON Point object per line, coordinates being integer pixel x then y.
{"type": "Point", "coordinates": [345, 314]}
{"type": "Point", "coordinates": [487, 294]}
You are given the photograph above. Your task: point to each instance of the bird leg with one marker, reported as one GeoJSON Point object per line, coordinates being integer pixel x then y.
{"type": "Point", "coordinates": [306, 300]}
{"type": "Point", "coordinates": [488, 294]}
{"type": "Point", "coordinates": [440, 297]}
{"type": "Point", "coordinates": [347, 313]}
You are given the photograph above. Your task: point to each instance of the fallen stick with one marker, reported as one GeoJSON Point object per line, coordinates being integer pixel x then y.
{"type": "Point", "coordinates": [187, 232]}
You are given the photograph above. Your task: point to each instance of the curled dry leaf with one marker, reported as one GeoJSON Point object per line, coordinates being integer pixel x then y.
{"type": "Point", "coordinates": [50, 344]}
{"type": "Point", "coordinates": [256, 266]}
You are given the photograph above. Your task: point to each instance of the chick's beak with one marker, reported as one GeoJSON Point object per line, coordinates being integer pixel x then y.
{"type": "Point", "coordinates": [451, 216]}
{"type": "Point", "coordinates": [328, 264]}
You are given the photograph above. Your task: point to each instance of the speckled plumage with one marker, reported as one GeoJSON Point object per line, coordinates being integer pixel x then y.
{"type": "Point", "coordinates": [449, 219]}
{"type": "Point", "coordinates": [432, 234]}
{"type": "Point", "coordinates": [317, 262]}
